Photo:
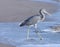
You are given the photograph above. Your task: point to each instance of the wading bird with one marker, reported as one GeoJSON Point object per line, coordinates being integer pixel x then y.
{"type": "Point", "coordinates": [33, 20]}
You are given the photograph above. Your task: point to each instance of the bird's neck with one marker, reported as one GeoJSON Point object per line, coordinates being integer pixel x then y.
{"type": "Point", "coordinates": [42, 16]}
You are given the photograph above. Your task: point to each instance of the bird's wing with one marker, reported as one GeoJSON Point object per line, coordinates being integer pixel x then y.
{"type": "Point", "coordinates": [27, 20]}
{"type": "Point", "coordinates": [30, 18]}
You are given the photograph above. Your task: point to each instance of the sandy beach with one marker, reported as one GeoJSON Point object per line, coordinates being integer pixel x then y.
{"type": "Point", "coordinates": [18, 10]}
{"type": "Point", "coordinates": [5, 45]}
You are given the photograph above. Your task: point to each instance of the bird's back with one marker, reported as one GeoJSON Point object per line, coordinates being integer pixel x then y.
{"type": "Point", "coordinates": [31, 20]}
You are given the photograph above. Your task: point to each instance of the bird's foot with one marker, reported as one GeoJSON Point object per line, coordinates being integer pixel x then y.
{"type": "Point", "coordinates": [30, 39]}
{"type": "Point", "coordinates": [41, 38]}
{"type": "Point", "coordinates": [36, 31]}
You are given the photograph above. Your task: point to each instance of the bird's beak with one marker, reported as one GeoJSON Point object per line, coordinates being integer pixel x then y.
{"type": "Point", "coordinates": [47, 13]}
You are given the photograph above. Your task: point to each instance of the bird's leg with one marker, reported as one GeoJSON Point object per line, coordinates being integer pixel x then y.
{"type": "Point", "coordinates": [37, 32]}
{"type": "Point", "coordinates": [28, 33]}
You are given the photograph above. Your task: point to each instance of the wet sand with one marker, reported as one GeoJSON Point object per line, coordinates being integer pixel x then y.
{"type": "Point", "coordinates": [57, 0]}
{"type": "Point", "coordinates": [5, 45]}
{"type": "Point", "coordinates": [18, 10]}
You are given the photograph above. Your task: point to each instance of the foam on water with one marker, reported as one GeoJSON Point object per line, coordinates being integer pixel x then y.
{"type": "Point", "coordinates": [49, 1]}
{"type": "Point", "coordinates": [48, 45]}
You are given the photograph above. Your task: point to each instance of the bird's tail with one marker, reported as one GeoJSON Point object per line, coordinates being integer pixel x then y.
{"type": "Point", "coordinates": [21, 24]}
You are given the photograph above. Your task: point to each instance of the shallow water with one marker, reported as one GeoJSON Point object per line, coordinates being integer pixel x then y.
{"type": "Point", "coordinates": [49, 1]}
{"type": "Point", "coordinates": [11, 33]}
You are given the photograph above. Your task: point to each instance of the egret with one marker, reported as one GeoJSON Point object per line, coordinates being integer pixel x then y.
{"type": "Point", "coordinates": [33, 20]}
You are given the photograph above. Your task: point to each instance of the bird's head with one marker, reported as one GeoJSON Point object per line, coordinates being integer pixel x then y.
{"type": "Point", "coordinates": [44, 11]}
